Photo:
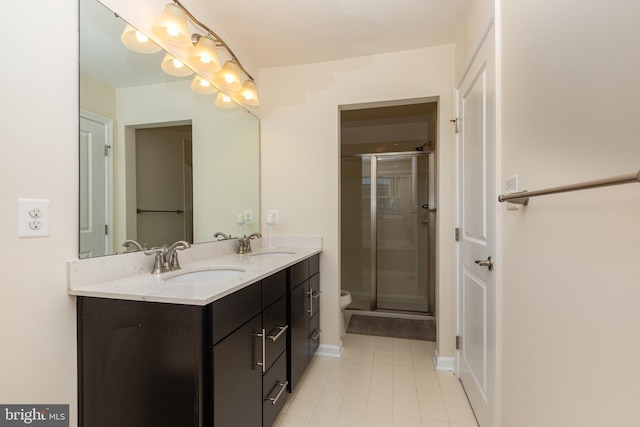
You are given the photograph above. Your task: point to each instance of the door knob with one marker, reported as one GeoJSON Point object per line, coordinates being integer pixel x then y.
{"type": "Point", "coordinates": [488, 263]}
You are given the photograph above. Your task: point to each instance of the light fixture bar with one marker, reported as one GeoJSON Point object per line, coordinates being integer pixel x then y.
{"type": "Point", "coordinates": [218, 38]}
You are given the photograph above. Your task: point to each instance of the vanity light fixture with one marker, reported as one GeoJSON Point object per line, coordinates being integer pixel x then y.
{"type": "Point", "coordinates": [138, 42]}
{"type": "Point", "coordinates": [229, 77]}
{"type": "Point", "coordinates": [175, 67]}
{"type": "Point", "coordinates": [205, 54]}
{"type": "Point", "coordinates": [225, 101]}
{"type": "Point", "coordinates": [202, 86]}
{"type": "Point", "coordinates": [249, 93]}
{"type": "Point", "coordinates": [172, 27]}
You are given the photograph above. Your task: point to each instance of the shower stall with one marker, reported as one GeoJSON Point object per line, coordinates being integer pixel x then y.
{"type": "Point", "coordinates": [388, 231]}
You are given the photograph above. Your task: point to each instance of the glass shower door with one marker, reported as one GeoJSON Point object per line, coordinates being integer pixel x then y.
{"type": "Point", "coordinates": [402, 231]}
{"type": "Point", "coordinates": [385, 232]}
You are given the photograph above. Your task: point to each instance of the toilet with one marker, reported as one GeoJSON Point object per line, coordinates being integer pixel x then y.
{"type": "Point", "coordinates": [345, 300]}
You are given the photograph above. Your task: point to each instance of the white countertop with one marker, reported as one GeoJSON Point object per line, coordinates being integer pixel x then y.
{"type": "Point", "coordinates": [144, 286]}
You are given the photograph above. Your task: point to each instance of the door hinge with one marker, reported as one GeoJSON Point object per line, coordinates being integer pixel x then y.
{"type": "Point", "coordinates": [455, 122]}
{"type": "Point", "coordinates": [457, 234]}
{"type": "Point", "coordinates": [106, 150]}
{"type": "Point", "coordinates": [106, 229]}
{"type": "Point", "coordinates": [457, 342]}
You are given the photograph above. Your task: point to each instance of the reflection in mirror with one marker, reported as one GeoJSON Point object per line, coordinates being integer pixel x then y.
{"type": "Point", "coordinates": [158, 161]}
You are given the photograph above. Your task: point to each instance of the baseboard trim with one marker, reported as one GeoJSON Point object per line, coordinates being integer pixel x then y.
{"type": "Point", "coordinates": [329, 350]}
{"type": "Point", "coordinates": [442, 363]}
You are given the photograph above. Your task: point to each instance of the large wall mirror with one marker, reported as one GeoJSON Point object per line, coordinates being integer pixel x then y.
{"type": "Point", "coordinates": [158, 161]}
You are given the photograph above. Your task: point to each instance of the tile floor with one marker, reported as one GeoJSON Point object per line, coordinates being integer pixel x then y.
{"type": "Point", "coordinates": [378, 382]}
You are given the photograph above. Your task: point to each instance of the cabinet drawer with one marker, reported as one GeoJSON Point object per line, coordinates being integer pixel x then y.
{"type": "Point", "coordinates": [274, 321]}
{"type": "Point", "coordinates": [274, 388]}
{"type": "Point", "coordinates": [274, 287]}
{"type": "Point", "coordinates": [298, 273]}
{"type": "Point", "coordinates": [314, 334]}
{"type": "Point", "coordinates": [232, 311]}
{"type": "Point", "coordinates": [314, 264]}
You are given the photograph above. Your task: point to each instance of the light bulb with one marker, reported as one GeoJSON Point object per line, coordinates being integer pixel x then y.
{"type": "Point", "coordinates": [137, 41]}
{"type": "Point", "coordinates": [202, 86]}
{"type": "Point", "coordinates": [205, 55]}
{"type": "Point", "coordinates": [173, 31]}
{"type": "Point", "coordinates": [175, 67]}
{"type": "Point", "coordinates": [172, 27]}
{"type": "Point", "coordinates": [249, 93]}
{"type": "Point", "coordinates": [225, 101]}
{"type": "Point", "coordinates": [141, 37]}
{"type": "Point", "coordinates": [228, 79]}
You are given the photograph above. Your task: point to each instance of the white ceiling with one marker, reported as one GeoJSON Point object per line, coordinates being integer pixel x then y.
{"type": "Point", "coordinates": [287, 32]}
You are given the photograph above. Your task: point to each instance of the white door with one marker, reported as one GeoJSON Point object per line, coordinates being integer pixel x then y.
{"type": "Point", "coordinates": [95, 186]}
{"type": "Point", "coordinates": [476, 306]}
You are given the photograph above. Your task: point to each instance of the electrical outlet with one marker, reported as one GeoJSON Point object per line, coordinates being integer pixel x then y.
{"type": "Point", "coordinates": [33, 217]}
{"type": "Point", "coordinates": [35, 212]}
{"type": "Point", "coordinates": [248, 216]}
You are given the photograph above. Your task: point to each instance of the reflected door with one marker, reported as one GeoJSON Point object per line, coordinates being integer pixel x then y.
{"type": "Point", "coordinates": [95, 186]}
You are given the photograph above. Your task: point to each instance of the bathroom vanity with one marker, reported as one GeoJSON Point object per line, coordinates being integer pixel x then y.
{"type": "Point", "coordinates": [184, 358]}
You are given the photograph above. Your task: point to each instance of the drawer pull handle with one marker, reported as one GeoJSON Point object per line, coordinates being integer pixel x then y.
{"type": "Point", "coordinates": [264, 351]}
{"type": "Point", "coordinates": [316, 334]}
{"type": "Point", "coordinates": [283, 386]}
{"type": "Point", "coordinates": [312, 295]}
{"type": "Point", "coordinates": [273, 337]}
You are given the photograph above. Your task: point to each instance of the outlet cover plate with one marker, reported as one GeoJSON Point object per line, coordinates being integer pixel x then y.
{"type": "Point", "coordinates": [33, 218]}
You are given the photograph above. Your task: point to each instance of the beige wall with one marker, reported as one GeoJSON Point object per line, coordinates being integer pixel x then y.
{"type": "Point", "coordinates": [300, 154]}
{"type": "Point", "coordinates": [97, 97]}
{"type": "Point", "coordinates": [39, 132]}
{"type": "Point", "coordinates": [477, 18]}
{"type": "Point", "coordinates": [225, 155]}
{"type": "Point", "coordinates": [570, 289]}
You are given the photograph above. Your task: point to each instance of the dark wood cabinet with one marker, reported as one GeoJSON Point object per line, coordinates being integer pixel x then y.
{"type": "Point", "coordinates": [304, 316]}
{"type": "Point", "coordinates": [225, 364]}
{"type": "Point", "coordinates": [237, 379]}
{"type": "Point", "coordinates": [140, 364]}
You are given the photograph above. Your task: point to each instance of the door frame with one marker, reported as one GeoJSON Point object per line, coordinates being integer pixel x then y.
{"type": "Point", "coordinates": [107, 125]}
{"type": "Point", "coordinates": [489, 30]}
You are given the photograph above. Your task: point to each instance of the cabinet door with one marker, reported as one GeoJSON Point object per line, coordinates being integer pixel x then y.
{"type": "Point", "coordinates": [237, 379]}
{"type": "Point", "coordinates": [299, 326]}
{"type": "Point", "coordinates": [140, 364]}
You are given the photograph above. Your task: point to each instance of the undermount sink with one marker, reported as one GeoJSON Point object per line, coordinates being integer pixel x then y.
{"type": "Point", "coordinates": [272, 253]}
{"type": "Point", "coordinates": [204, 274]}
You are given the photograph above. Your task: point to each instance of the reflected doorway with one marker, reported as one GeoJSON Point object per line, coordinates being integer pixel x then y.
{"type": "Point", "coordinates": [163, 185]}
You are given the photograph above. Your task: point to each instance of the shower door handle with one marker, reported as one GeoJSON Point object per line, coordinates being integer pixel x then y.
{"type": "Point", "coordinates": [487, 263]}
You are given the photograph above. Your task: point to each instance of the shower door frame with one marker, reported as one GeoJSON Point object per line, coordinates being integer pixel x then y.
{"type": "Point", "coordinates": [373, 295]}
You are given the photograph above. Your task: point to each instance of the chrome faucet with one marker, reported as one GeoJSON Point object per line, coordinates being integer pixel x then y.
{"type": "Point", "coordinates": [138, 246]}
{"type": "Point", "coordinates": [171, 256]}
{"type": "Point", "coordinates": [219, 234]}
{"type": "Point", "coordinates": [244, 246]}
{"type": "Point", "coordinates": [167, 257]}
